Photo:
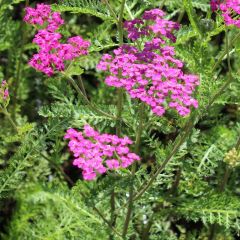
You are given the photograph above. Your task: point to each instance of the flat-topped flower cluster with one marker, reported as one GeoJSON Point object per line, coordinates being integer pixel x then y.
{"type": "Point", "coordinates": [4, 93]}
{"type": "Point", "coordinates": [96, 153]}
{"type": "Point", "coordinates": [152, 74]}
{"type": "Point", "coordinates": [52, 53]}
{"type": "Point", "coordinates": [230, 11]}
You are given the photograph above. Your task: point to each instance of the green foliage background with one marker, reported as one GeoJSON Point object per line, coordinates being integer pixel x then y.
{"type": "Point", "coordinates": [43, 197]}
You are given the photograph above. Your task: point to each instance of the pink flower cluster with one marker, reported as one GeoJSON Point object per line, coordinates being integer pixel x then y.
{"type": "Point", "coordinates": [52, 53]}
{"type": "Point", "coordinates": [96, 153]}
{"type": "Point", "coordinates": [231, 12]}
{"type": "Point", "coordinates": [153, 74]}
{"type": "Point", "coordinates": [4, 93]}
{"type": "Point", "coordinates": [152, 23]}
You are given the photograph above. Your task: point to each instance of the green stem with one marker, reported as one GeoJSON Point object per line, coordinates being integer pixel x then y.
{"type": "Point", "coordinates": [176, 182]}
{"type": "Point", "coordinates": [119, 104]}
{"type": "Point", "coordinates": [228, 50]}
{"type": "Point", "coordinates": [189, 9]}
{"type": "Point", "coordinates": [230, 44]}
{"type": "Point", "coordinates": [130, 202]}
{"type": "Point", "coordinates": [19, 65]}
{"type": "Point", "coordinates": [118, 133]}
{"type": "Point", "coordinates": [85, 99]}
{"type": "Point", "coordinates": [105, 220]}
{"type": "Point", "coordinates": [113, 215]}
{"type": "Point", "coordinates": [229, 68]}
{"type": "Point", "coordinates": [181, 15]}
{"type": "Point", "coordinates": [120, 22]}
{"type": "Point", "coordinates": [226, 176]}
{"type": "Point", "coordinates": [129, 12]}
{"type": "Point", "coordinates": [82, 86]}
{"type": "Point", "coordinates": [134, 168]}
{"type": "Point", "coordinates": [8, 116]}
{"type": "Point", "coordinates": [119, 110]}
{"type": "Point", "coordinates": [111, 10]}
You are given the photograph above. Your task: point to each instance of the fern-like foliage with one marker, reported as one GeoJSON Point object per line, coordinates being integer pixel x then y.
{"type": "Point", "coordinates": [222, 209]}
{"type": "Point", "coordinates": [22, 160]}
{"type": "Point", "coordinates": [64, 211]}
{"type": "Point", "coordinates": [91, 7]}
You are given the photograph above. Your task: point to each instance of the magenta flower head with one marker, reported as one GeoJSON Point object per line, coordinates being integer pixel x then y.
{"type": "Point", "coordinates": [4, 93]}
{"type": "Point", "coordinates": [231, 12]}
{"type": "Point", "coordinates": [97, 153]}
{"type": "Point", "coordinates": [52, 53]}
{"type": "Point", "coordinates": [152, 74]}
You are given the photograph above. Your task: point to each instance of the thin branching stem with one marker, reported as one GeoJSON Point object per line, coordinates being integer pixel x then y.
{"type": "Point", "coordinates": [85, 99]}
{"type": "Point", "coordinates": [134, 168]}
{"type": "Point", "coordinates": [106, 221]}
{"type": "Point", "coordinates": [8, 116]}
{"type": "Point", "coordinates": [230, 44]}
{"type": "Point", "coordinates": [114, 15]}
{"type": "Point", "coordinates": [119, 103]}
{"type": "Point", "coordinates": [19, 64]}
{"type": "Point", "coordinates": [80, 80]}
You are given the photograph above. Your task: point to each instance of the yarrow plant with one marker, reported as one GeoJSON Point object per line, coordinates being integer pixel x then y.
{"type": "Point", "coordinates": [133, 157]}
{"type": "Point", "coordinates": [52, 53]}
{"type": "Point", "coordinates": [96, 153]}
{"type": "Point", "coordinates": [152, 74]}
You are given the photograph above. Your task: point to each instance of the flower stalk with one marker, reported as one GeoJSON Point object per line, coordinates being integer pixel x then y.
{"type": "Point", "coordinates": [8, 116]}
{"type": "Point", "coordinates": [134, 168]}
{"type": "Point", "coordinates": [85, 99]}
